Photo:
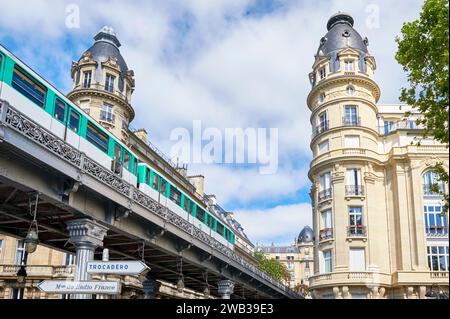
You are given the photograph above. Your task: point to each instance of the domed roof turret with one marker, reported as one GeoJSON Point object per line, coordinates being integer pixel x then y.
{"type": "Point", "coordinates": [107, 46]}
{"type": "Point", "coordinates": [306, 235]}
{"type": "Point", "coordinates": [341, 35]}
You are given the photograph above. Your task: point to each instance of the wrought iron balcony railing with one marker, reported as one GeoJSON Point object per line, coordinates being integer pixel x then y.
{"type": "Point", "coordinates": [351, 121]}
{"type": "Point", "coordinates": [399, 125]}
{"type": "Point", "coordinates": [322, 127]}
{"type": "Point", "coordinates": [433, 189]}
{"type": "Point", "coordinates": [325, 195]}
{"type": "Point", "coordinates": [354, 190]}
{"type": "Point", "coordinates": [356, 231]}
{"type": "Point", "coordinates": [326, 233]}
{"type": "Point", "coordinates": [437, 231]}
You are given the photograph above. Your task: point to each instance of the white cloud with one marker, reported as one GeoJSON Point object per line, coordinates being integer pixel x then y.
{"type": "Point", "coordinates": [281, 224]}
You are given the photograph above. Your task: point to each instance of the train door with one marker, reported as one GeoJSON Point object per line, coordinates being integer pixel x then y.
{"type": "Point", "coordinates": [117, 160]}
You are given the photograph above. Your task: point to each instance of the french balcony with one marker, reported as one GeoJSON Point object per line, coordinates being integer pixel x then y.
{"type": "Point", "coordinates": [399, 125]}
{"type": "Point", "coordinates": [437, 231]}
{"type": "Point", "coordinates": [354, 190]}
{"type": "Point", "coordinates": [107, 117]}
{"type": "Point", "coordinates": [351, 121]}
{"type": "Point", "coordinates": [325, 195]}
{"type": "Point", "coordinates": [433, 189]}
{"type": "Point", "coordinates": [326, 234]}
{"type": "Point", "coordinates": [350, 277]}
{"type": "Point", "coordinates": [356, 231]}
{"type": "Point", "coordinates": [321, 128]}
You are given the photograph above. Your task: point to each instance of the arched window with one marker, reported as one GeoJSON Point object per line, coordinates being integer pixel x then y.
{"type": "Point", "coordinates": [431, 184]}
{"type": "Point", "coordinates": [322, 97]}
{"type": "Point", "coordinates": [350, 90]}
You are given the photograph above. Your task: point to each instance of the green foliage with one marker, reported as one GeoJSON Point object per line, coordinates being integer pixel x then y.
{"type": "Point", "coordinates": [423, 53]}
{"type": "Point", "coordinates": [272, 267]}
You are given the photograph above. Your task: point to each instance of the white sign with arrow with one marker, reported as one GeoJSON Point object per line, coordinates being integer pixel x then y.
{"type": "Point", "coordinates": [116, 267]}
{"type": "Point", "coordinates": [80, 287]}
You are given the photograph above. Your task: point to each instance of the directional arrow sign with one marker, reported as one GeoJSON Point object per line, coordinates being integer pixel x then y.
{"type": "Point", "coordinates": [80, 287]}
{"type": "Point", "coordinates": [116, 267]}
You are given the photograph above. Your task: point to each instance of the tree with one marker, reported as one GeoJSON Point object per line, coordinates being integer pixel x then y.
{"type": "Point", "coordinates": [272, 267]}
{"type": "Point", "coordinates": [423, 53]}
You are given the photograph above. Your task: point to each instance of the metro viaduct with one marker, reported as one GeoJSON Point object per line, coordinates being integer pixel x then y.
{"type": "Point", "coordinates": [83, 206]}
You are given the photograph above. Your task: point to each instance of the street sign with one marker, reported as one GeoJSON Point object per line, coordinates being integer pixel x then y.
{"type": "Point", "coordinates": [80, 287]}
{"type": "Point", "coordinates": [116, 267]}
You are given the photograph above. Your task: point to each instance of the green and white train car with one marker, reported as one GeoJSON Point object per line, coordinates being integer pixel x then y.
{"type": "Point", "coordinates": [155, 185]}
{"type": "Point", "coordinates": [30, 94]}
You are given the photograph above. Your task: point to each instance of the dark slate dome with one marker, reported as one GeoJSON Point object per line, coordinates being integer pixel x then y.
{"type": "Point", "coordinates": [107, 45]}
{"type": "Point", "coordinates": [306, 235]}
{"type": "Point", "coordinates": [341, 35]}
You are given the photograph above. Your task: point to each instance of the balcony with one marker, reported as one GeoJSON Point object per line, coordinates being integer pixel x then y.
{"type": "Point", "coordinates": [351, 278]}
{"type": "Point", "coordinates": [107, 117]}
{"type": "Point", "coordinates": [322, 127]}
{"type": "Point", "coordinates": [391, 127]}
{"type": "Point", "coordinates": [356, 231]}
{"type": "Point", "coordinates": [354, 190]}
{"type": "Point", "coordinates": [326, 234]}
{"type": "Point", "coordinates": [351, 121]}
{"type": "Point", "coordinates": [103, 88]}
{"type": "Point", "coordinates": [10, 271]}
{"type": "Point", "coordinates": [325, 195]}
{"type": "Point", "coordinates": [433, 189]}
{"type": "Point", "coordinates": [437, 231]}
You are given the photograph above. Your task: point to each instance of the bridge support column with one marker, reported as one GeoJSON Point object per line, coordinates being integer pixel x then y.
{"type": "Point", "coordinates": [86, 235]}
{"type": "Point", "coordinates": [225, 288]}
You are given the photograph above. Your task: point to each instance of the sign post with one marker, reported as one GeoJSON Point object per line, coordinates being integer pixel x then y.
{"type": "Point", "coordinates": [117, 267]}
{"type": "Point", "coordinates": [80, 287]}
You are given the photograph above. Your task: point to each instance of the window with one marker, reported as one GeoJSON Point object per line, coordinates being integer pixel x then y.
{"type": "Point", "coordinates": [60, 110]}
{"type": "Point", "coordinates": [323, 122]}
{"type": "Point", "coordinates": [349, 65]}
{"type": "Point", "coordinates": [228, 234]}
{"type": "Point", "coordinates": [109, 83]}
{"type": "Point", "coordinates": [351, 116]}
{"type": "Point", "coordinates": [435, 221]}
{"type": "Point", "coordinates": [127, 161]}
{"type": "Point", "coordinates": [322, 73]}
{"type": "Point", "coordinates": [107, 113]}
{"type": "Point", "coordinates": [69, 259]}
{"type": "Point", "coordinates": [96, 137]}
{"type": "Point", "coordinates": [326, 219]}
{"type": "Point", "coordinates": [325, 181]}
{"type": "Point", "coordinates": [355, 221]}
{"type": "Point", "coordinates": [322, 97]}
{"type": "Point", "coordinates": [431, 184]}
{"type": "Point", "coordinates": [201, 214]}
{"type": "Point", "coordinates": [155, 183]}
{"type": "Point", "coordinates": [351, 141]}
{"type": "Point", "coordinates": [87, 77]}
{"type": "Point", "coordinates": [163, 187]}
{"type": "Point", "coordinates": [350, 90]}
{"type": "Point", "coordinates": [324, 147]}
{"type": "Point", "coordinates": [438, 258]}
{"type": "Point", "coordinates": [220, 228]}
{"type": "Point", "coordinates": [20, 252]}
{"type": "Point", "coordinates": [388, 126]}
{"type": "Point", "coordinates": [1, 241]}
{"type": "Point", "coordinates": [211, 222]}
{"type": "Point", "coordinates": [354, 186]}
{"type": "Point", "coordinates": [147, 176]}
{"type": "Point", "coordinates": [175, 195]}
{"type": "Point", "coordinates": [188, 206]}
{"type": "Point", "coordinates": [328, 262]}
{"type": "Point", "coordinates": [17, 293]}
{"type": "Point", "coordinates": [74, 121]}
{"type": "Point", "coordinates": [357, 259]}
{"type": "Point", "coordinates": [29, 87]}
{"type": "Point", "coordinates": [84, 105]}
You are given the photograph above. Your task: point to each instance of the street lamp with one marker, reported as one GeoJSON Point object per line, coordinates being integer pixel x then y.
{"type": "Point", "coordinates": [180, 283]}
{"type": "Point", "coordinates": [32, 239]}
{"type": "Point", "coordinates": [21, 274]}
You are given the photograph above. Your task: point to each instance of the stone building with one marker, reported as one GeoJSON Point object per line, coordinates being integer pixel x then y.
{"type": "Point", "coordinates": [378, 225]}
{"type": "Point", "coordinates": [298, 257]}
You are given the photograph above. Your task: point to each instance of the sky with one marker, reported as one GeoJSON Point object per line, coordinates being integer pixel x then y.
{"type": "Point", "coordinates": [226, 63]}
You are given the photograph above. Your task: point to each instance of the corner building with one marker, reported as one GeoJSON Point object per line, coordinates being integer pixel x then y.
{"type": "Point", "coordinates": [378, 224]}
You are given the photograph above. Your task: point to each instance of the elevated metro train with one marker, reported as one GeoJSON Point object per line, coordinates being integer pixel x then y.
{"type": "Point", "coordinates": [30, 94]}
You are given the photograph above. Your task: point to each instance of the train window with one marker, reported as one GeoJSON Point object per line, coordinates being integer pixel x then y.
{"type": "Point", "coordinates": [135, 166]}
{"type": "Point", "coordinates": [211, 222]}
{"type": "Point", "coordinates": [155, 182]}
{"type": "Point", "coordinates": [220, 228]}
{"type": "Point", "coordinates": [126, 161]}
{"type": "Point", "coordinates": [96, 137]}
{"type": "Point", "coordinates": [200, 214]}
{"type": "Point", "coordinates": [188, 205]}
{"type": "Point", "coordinates": [74, 121]}
{"type": "Point", "coordinates": [29, 87]}
{"type": "Point", "coordinates": [163, 186]}
{"type": "Point", "coordinates": [227, 235]}
{"type": "Point", "coordinates": [117, 152]}
{"type": "Point", "coordinates": [60, 110]}
{"type": "Point", "coordinates": [147, 176]}
{"type": "Point", "coordinates": [175, 195]}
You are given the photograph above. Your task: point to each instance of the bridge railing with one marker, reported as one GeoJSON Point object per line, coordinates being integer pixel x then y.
{"type": "Point", "coordinates": [12, 118]}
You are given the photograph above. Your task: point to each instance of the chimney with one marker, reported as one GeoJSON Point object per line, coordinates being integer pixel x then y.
{"type": "Point", "coordinates": [199, 183]}
{"type": "Point", "coordinates": [142, 134]}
